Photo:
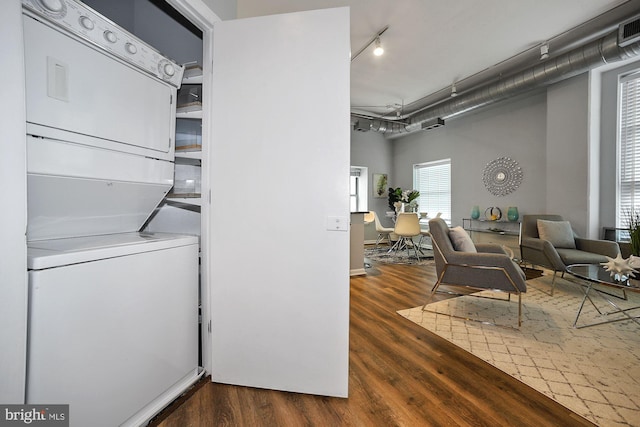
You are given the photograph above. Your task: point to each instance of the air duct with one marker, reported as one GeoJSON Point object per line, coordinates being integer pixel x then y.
{"type": "Point", "coordinates": [432, 124]}
{"type": "Point", "coordinates": [362, 125]}
{"type": "Point", "coordinates": [577, 61]}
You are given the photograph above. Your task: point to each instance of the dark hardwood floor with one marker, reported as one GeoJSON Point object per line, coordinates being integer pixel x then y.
{"type": "Point", "coordinates": [400, 375]}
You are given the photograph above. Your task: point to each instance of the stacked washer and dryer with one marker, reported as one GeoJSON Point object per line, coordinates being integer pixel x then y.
{"type": "Point", "coordinates": [113, 312]}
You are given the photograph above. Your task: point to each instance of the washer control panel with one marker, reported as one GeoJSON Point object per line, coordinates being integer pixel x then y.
{"type": "Point", "coordinates": [89, 25]}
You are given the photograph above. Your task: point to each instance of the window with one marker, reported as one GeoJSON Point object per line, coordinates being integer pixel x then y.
{"type": "Point", "coordinates": [628, 148]}
{"type": "Point", "coordinates": [358, 189]}
{"type": "Point", "coordinates": [433, 181]}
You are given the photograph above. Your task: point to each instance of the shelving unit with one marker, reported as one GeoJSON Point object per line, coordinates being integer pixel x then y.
{"type": "Point", "coordinates": [188, 151]}
{"type": "Point", "coordinates": [504, 233]}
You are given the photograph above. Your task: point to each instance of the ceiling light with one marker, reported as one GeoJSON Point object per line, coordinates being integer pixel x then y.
{"type": "Point", "coordinates": [378, 50]}
{"type": "Point", "coordinates": [544, 51]}
{"type": "Point", "coordinates": [376, 38]}
{"type": "Point", "coordinates": [454, 92]}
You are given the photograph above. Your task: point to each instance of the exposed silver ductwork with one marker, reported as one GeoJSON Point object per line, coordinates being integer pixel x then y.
{"type": "Point", "coordinates": [605, 50]}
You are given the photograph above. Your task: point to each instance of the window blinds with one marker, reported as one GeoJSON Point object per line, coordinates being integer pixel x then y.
{"type": "Point", "coordinates": [433, 181]}
{"type": "Point", "coordinates": [629, 148]}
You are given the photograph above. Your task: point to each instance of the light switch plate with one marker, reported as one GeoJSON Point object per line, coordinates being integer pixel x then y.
{"type": "Point", "coordinates": [337, 223]}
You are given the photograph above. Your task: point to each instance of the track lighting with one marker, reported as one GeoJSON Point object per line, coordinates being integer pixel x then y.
{"type": "Point", "coordinates": [454, 92]}
{"type": "Point", "coordinates": [544, 51]}
{"type": "Point", "coordinates": [378, 50]}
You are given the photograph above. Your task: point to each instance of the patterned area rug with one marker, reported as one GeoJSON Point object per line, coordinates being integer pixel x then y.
{"type": "Point", "coordinates": [593, 371]}
{"type": "Point", "coordinates": [381, 254]}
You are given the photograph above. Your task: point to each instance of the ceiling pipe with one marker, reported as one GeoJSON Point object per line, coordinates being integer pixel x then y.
{"type": "Point", "coordinates": [573, 38]}
{"type": "Point", "coordinates": [596, 53]}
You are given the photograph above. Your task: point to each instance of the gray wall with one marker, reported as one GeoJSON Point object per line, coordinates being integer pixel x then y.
{"type": "Point", "coordinates": [567, 152]}
{"type": "Point", "coordinates": [608, 134]}
{"type": "Point", "coordinates": [372, 150]}
{"type": "Point", "coordinates": [563, 137]}
{"type": "Point", "coordinates": [515, 129]}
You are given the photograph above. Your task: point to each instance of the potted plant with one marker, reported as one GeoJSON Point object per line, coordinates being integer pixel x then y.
{"type": "Point", "coordinates": [633, 225]}
{"type": "Point", "coordinates": [407, 197]}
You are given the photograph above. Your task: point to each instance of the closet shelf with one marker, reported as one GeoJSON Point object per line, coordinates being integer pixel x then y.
{"type": "Point", "coordinates": [192, 75]}
{"type": "Point", "coordinates": [185, 114]}
{"type": "Point", "coordinates": [188, 157]}
{"type": "Point", "coordinates": [186, 198]}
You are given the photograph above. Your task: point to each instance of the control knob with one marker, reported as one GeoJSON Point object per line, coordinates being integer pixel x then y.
{"type": "Point", "coordinates": [86, 22]}
{"type": "Point", "coordinates": [166, 69]}
{"type": "Point", "coordinates": [54, 8]}
{"type": "Point", "coordinates": [169, 70]}
{"type": "Point", "coordinates": [131, 48]}
{"type": "Point", "coordinates": [110, 36]}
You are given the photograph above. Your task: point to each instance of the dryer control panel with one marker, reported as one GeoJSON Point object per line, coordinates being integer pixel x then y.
{"type": "Point", "coordinates": [89, 25]}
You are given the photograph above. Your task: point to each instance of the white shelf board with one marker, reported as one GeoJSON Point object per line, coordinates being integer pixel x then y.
{"type": "Point", "coordinates": [189, 114]}
{"type": "Point", "coordinates": [195, 155]}
{"type": "Point", "coordinates": [196, 201]}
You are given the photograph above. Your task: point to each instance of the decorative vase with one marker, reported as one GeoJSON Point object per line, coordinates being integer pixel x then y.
{"type": "Point", "coordinates": [512, 213]}
{"type": "Point", "coordinates": [475, 212]}
{"type": "Point", "coordinates": [493, 213]}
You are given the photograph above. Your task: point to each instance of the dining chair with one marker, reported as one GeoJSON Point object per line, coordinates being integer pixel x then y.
{"type": "Point", "coordinates": [407, 227]}
{"type": "Point", "coordinates": [382, 231]}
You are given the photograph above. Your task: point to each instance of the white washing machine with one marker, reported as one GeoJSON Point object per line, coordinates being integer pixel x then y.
{"type": "Point", "coordinates": [113, 325]}
{"type": "Point", "coordinates": [113, 312]}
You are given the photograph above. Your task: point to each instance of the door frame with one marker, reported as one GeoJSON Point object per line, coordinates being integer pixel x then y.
{"type": "Point", "coordinates": [204, 18]}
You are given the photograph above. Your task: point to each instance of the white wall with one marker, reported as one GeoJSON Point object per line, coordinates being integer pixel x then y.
{"type": "Point", "coordinates": [13, 266]}
{"type": "Point", "coordinates": [514, 128]}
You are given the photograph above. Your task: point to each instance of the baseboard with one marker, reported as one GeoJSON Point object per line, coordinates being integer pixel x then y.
{"type": "Point", "coordinates": [357, 272]}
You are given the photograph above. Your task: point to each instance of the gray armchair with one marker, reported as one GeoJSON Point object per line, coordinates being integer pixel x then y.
{"type": "Point", "coordinates": [490, 268]}
{"type": "Point", "coordinates": [542, 252]}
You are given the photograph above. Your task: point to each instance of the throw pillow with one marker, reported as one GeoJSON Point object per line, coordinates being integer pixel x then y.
{"type": "Point", "coordinates": [559, 233]}
{"type": "Point", "coordinates": [460, 240]}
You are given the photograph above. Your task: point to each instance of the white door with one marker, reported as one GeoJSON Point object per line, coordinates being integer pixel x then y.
{"type": "Point", "coordinates": [279, 258]}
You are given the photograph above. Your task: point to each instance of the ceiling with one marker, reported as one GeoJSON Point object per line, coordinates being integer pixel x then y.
{"type": "Point", "coordinates": [432, 43]}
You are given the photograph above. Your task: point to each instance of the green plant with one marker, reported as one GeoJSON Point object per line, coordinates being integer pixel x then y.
{"type": "Point", "coordinates": [400, 195]}
{"type": "Point", "coordinates": [633, 224]}
{"type": "Point", "coordinates": [395, 195]}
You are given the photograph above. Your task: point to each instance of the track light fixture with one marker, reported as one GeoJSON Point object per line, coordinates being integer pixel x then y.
{"type": "Point", "coordinates": [544, 51]}
{"type": "Point", "coordinates": [375, 39]}
{"type": "Point", "coordinates": [454, 91]}
{"type": "Point", "coordinates": [378, 50]}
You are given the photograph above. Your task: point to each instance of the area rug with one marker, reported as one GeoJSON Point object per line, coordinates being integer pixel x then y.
{"type": "Point", "coordinates": [382, 254]}
{"type": "Point", "coordinates": [594, 371]}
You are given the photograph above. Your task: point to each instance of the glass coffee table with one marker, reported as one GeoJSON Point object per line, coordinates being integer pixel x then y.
{"type": "Point", "coordinates": [595, 274]}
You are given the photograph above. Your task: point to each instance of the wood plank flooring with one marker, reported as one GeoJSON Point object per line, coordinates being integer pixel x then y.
{"type": "Point", "coordinates": [400, 375]}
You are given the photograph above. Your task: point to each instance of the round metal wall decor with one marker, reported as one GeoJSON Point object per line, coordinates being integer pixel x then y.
{"type": "Point", "coordinates": [502, 176]}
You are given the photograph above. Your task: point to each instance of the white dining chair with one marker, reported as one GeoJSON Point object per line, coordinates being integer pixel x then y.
{"type": "Point", "coordinates": [407, 227]}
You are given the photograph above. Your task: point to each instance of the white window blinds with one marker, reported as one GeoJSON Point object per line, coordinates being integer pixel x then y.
{"type": "Point", "coordinates": [433, 181]}
{"type": "Point", "coordinates": [629, 148]}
